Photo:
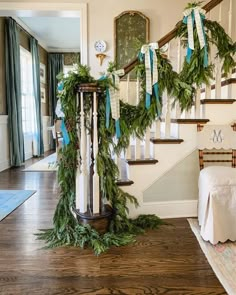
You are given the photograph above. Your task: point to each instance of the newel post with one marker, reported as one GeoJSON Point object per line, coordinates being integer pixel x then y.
{"type": "Point", "coordinates": [89, 204]}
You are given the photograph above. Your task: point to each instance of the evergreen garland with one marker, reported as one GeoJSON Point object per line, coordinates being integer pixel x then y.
{"type": "Point", "coordinates": [194, 73]}
{"type": "Point", "coordinates": [134, 121]}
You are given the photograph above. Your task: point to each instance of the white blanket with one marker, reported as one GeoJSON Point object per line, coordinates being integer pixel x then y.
{"type": "Point", "coordinates": [217, 204]}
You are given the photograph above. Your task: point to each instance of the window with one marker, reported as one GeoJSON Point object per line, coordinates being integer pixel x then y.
{"type": "Point", "coordinates": [27, 96]}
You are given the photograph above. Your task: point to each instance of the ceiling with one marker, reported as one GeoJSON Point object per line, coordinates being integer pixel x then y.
{"type": "Point", "coordinates": [55, 34]}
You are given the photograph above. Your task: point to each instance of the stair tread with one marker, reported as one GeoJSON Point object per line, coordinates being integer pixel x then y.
{"type": "Point", "coordinates": [217, 101]}
{"type": "Point", "coordinates": [124, 182]}
{"type": "Point", "coordinates": [190, 121]}
{"type": "Point", "coordinates": [141, 161]}
{"type": "Point", "coordinates": [166, 140]}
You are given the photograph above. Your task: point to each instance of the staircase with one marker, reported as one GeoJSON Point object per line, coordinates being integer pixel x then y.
{"type": "Point", "coordinates": [171, 140]}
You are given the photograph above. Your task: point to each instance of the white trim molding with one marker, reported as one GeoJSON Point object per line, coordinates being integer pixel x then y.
{"type": "Point", "coordinates": [31, 9]}
{"type": "Point", "coordinates": [4, 141]}
{"type": "Point", "coordinates": [172, 209]}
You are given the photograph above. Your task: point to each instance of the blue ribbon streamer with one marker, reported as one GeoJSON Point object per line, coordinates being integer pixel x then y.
{"type": "Point", "coordinates": [66, 138]}
{"type": "Point", "coordinates": [118, 133]}
{"type": "Point", "coordinates": [108, 108]}
{"type": "Point", "coordinates": [156, 92]}
{"type": "Point", "coordinates": [151, 59]}
{"type": "Point", "coordinates": [205, 63]}
{"type": "Point", "coordinates": [148, 100]}
{"type": "Point", "coordinates": [148, 95]}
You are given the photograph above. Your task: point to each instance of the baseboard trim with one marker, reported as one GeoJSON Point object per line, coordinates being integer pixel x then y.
{"type": "Point", "coordinates": [171, 209]}
{"type": "Point", "coordinates": [4, 165]}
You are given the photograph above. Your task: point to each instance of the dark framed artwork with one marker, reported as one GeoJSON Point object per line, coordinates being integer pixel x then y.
{"type": "Point", "coordinates": [130, 29]}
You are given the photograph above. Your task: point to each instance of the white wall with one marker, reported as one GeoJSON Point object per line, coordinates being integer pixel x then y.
{"type": "Point", "coordinates": [4, 142]}
{"type": "Point", "coordinates": [180, 183]}
{"type": "Point", "coordinates": [163, 16]}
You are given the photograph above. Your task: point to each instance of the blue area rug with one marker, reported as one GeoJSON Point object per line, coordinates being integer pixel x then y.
{"type": "Point", "coordinates": [10, 200]}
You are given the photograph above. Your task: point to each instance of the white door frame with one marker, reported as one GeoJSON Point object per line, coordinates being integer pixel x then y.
{"type": "Point", "coordinates": [31, 9]}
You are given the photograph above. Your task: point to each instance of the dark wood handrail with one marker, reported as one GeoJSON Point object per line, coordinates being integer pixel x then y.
{"type": "Point", "coordinates": [171, 35]}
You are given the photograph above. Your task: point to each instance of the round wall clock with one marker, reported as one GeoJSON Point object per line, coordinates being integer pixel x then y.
{"type": "Point", "coordinates": [100, 46]}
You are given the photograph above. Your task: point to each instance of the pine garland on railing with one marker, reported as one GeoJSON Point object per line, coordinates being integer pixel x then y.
{"type": "Point", "coordinates": [195, 71]}
{"type": "Point", "coordinates": [134, 121]}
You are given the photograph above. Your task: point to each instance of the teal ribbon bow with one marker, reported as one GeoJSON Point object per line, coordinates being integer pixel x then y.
{"type": "Point", "coordinates": [108, 108]}
{"type": "Point", "coordinates": [148, 55]}
{"type": "Point", "coordinates": [60, 86]}
{"type": "Point", "coordinates": [195, 17]}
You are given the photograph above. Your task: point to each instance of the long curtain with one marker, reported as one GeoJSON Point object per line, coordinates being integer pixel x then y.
{"type": "Point", "coordinates": [55, 66]}
{"type": "Point", "coordinates": [13, 93]}
{"type": "Point", "coordinates": [38, 134]}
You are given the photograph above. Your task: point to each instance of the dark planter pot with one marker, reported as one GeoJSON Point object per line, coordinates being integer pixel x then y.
{"type": "Point", "coordinates": [100, 222]}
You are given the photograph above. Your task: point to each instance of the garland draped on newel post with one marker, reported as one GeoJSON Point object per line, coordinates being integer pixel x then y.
{"type": "Point", "coordinates": [148, 55]}
{"type": "Point", "coordinates": [113, 99]}
{"type": "Point", "coordinates": [60, 114]}
{"type": "Point", "coordinates": [195, 16]}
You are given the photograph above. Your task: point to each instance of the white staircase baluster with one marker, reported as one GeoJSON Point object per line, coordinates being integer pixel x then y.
{"type": "Point", "coordinates": [96, 191]}
{"type": "Point", "coordinates": [118, 163]}
{"type": "Point", "coordinates": [229, 87]}
{"type": "Point", "coordinates": [167, 118]}
{"type": "Point", "coordinates": [208, 92]}
{"type": "Point", "coordinates": [188, 114]}
{"type": "Point", "coordinates": [128, 152]}
{"type": "Point", "coordinates": [158, 129]}
{"type": "Point", "coordinates": [127, 87]}
{"type": "Point", "coordinates": [179, 65]}
{"type": "Point", "coordinates": [88, 151]}
{"type": "Point", "coordinates": [197, 103]}
{"type": "Point", "coordinates": [218, 64]}
{"type": "Point", "coordinates": [137, 91]}
{"type": "Point", "coordinates": [218, 79]}
{"type": "Point", "coordinates": [77, 182]}
{"type": "Point", "coordinates": [179, 56]}
{"type": "Point", "coordinates": [208, 87]}
{"type": "Point", "coordinates": [83, 178]}
{"type": "Point", "coordinates": [168, 109]}
{"type": "Point", "coordinates": [147, 144]}
{"type": "Point", "coordinates": [137, 151]}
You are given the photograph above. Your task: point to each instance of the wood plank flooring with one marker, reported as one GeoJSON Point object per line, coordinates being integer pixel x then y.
{"type": "Point", "coordinates": [166, 261]}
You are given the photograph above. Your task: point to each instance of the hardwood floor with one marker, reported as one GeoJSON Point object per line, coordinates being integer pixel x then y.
{"type": "Point", "coordinates": [166, 261]}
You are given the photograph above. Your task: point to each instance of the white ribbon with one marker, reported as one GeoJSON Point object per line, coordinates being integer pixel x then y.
{"type": "Point", "coordinates": [115, 93]}
{"type": "Point", "coordinates": [197, 14]}
{"type": "Point", "coordinates": [58, 110]}
{"type": "Point", "coordinates": [151, 79]}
